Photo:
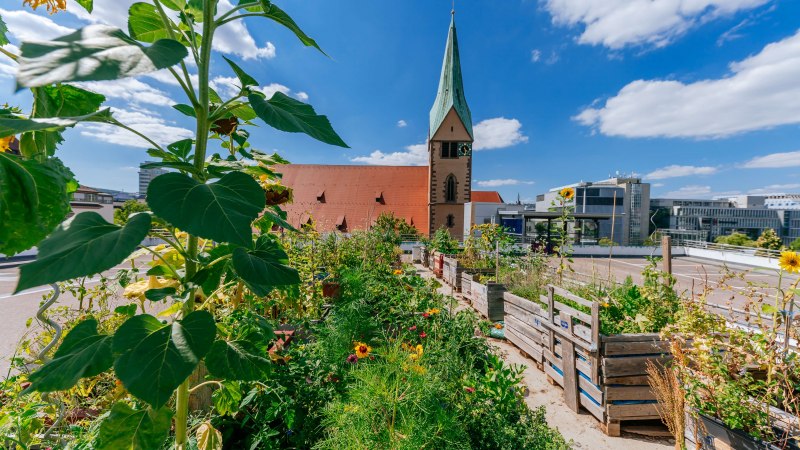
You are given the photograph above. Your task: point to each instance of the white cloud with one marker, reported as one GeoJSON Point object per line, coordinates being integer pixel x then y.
{"type": "Point", "coordinates": [302, 96]}
{"type": "Point", "coordinates": [164, 76]}
{"type": "Point", "coordinates": [620, 23]}
{"type": "Point", "coordinates": [232, 38]}
{"type": "Point", "coordinates": [272, 88]}
{"type": "Point", "coordinates": [498, 133]}
{"type": "Point", "coordinates": [131, 90]}
{"type": "Point", "coordinates": [26, 26]}
{"type": "Point", "coordinates": [774, 161]}
{"type": "Point", "coordinates": [502, 182]}
{"type": "Point", "coordinates": [753, 97]}
{"type": "Point", "coordinates": [776, 188]}
{"type": "Point", "coordinates": [145, 121]}
{"type": "Point", "coordinates": [401, 124]}
{"type": "Point", "coordinates": [675, 171]}
{"type": "Point", "coordinates": [657, 185]}
{"type": "Point", "coordinates": [690, 191]}
{"type": "Point", "coordinates": [536, 55]}
{"type": "Point", "coordinates": [415, 155]}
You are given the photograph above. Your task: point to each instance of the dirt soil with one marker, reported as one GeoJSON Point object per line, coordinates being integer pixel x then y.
{"type": "Point", "coordinates": [583, 429]}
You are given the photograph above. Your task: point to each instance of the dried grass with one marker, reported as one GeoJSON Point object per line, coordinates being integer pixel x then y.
{"type": "Point", "coordinates": [670, 395]}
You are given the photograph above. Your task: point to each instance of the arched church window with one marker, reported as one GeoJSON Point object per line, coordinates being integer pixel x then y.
{"type": "Point", "coordinates": [451, 221]}
{"type": "Point", "coordinates": [450, 189]}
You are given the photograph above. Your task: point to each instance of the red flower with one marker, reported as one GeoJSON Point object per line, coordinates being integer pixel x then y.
{"type": "Point", "coordinates": [412, 328]}
{"type": "Point", "coordinates": [352, 359]}
{"type": "Point", "coordinates": [469, 389]}
{"type": "Point", "coordinates": [425, 315]}
{"type": "Point", "coordinates": [423, 335]}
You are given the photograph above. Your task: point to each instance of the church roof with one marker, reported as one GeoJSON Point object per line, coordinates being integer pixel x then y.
{"type": "Point", "coordinates": [352, 197]}
{"type": "Point", "coordinates": [451, 88]}
{"type": "Point", "coordinates": [486, 197]}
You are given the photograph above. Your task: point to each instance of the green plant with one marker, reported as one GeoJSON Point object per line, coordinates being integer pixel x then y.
{"type": "Point", "coordinates": [795, 245]}
{"type": "Point", "coordinates": [209, 202]}
{"type": "Point", "coordinates": [606, 242]}
{"type": "Point", "coordinates": [129, 207]}
{"type": "Point", "coordinates": [738, 239]}
{"type": "Point", "coordinates": [769, 240]}
{"type": "Point", "coordinates": [442, 242]}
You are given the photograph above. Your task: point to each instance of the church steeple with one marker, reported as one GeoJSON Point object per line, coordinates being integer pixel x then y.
{"type": "Point", "coordinates": [451, 89]}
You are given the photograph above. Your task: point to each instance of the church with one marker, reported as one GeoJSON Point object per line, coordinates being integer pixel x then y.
{"type": "Point", "coordinates": [351, 197]}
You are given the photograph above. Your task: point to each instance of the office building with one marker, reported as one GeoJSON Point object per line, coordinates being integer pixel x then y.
{"type": "Point", "coordinates": [146, 176]}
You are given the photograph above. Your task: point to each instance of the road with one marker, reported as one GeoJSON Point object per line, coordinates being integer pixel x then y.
{"type": "Point", "coordinates": [15, 310]}
{"type": "Point", "coordinates": [693, 275]}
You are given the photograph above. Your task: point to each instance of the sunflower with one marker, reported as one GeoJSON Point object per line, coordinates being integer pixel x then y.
{"type": "Point", "coordinates": [53, 6]}
{"type": "Point", "coordinates": [567, 193]}
{"type": "Point", "coordinates": [790, 262]}
{"type": "Point", "coordinates": [362, 349]}
{"type": "Point", "coordinates": [398, 272]}
{"type": "Point", "coordinates": [5, 143]}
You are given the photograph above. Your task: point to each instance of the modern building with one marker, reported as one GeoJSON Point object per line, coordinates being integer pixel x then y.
{"type": "Point", "coordinates": [346, 198]}
{"type": "Point", "coordinates": [625, 200]}
{"type": "Point", "coordinates": [482, 209]}
{"type": "Point", "coordinates": [88, 199]}
{"type": "Point", "coordinates": [146, 176]}
{"type": "Point", "coordinates": [782, 201]}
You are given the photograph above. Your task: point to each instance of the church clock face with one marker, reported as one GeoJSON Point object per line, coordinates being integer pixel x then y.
{"type": "Point", "coordinates": [464, 149]}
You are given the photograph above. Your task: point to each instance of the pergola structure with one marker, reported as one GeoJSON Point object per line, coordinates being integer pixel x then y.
{"type": "Point", "coordinates": [549, 216]}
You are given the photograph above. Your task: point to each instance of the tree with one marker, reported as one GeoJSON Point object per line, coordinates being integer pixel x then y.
{"type": "Point", "coordinates": [122, 214]}
{"type": "Point", "coordinates": [769, 240]}
{"type": "Point", "coordinates": [795, 245]}
{"type": "Point", "coordinates": [395, 228]}
{"type": "Point", "coordinates": [738, 239]}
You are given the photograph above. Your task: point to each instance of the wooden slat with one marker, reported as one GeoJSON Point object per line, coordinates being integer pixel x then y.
{"type": "Point", "coordinates": [571, 394]}
{"type": "Point", "coordinates": [628, 412]}
{"type": "Point", "coordinates": [634, 380]}
{"type": "Point", "coordinates": [614, 393]}
{"type": "Point", "coordinates": [631, 337]}
{"type": "Point", "coordinates": [534, 351]}
{"type": "Point", "coordinates": [631, 365]}
{"type": "Point", "coordinates": [567, 294]}
{"type": "Point", "coordinates": [549, 356]}
{"type": "Point", "coordinates": [553, 374]}
{"type": "Point", "coordinates": [591, 390]}
{"type": "Point", "coordinates": [526, 331]}
{"type": "Point", "coordinates": [635, 348]}
{"type": "Point", "coordinates": [582, 316]}
{"type": "Point", "coordinates": [595, 410]}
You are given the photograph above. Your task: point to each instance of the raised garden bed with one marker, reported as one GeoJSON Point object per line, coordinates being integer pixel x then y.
{"type": "Point", "coordinates": [487, 299]}
{"type": "Point", "coordinates": [604, 374]}
{"type": "Point", "coordinates": [453, 270]}
{"type": "Point", "coordinates": [709, 433]}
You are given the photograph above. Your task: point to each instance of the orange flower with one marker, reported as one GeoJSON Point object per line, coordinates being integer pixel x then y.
{"type": "Point", "coordinates": [362, 349]}
{"type": "Point", "coordinates": [398, 272]}
{"type": "Point", "coordinates": [790, 262]}
{"type": "Point", "coordinates": [5, 143]}
{"type": "Point", "coordinates": [568, 193]}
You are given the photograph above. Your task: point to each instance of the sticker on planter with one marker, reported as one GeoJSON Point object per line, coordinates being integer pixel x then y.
{"type": "Point", "coordinates": [537, 322]}
{"type": "Point", "coordinates": [564, 324]}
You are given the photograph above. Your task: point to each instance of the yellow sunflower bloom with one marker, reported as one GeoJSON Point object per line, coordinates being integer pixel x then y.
{"type": "Point", "coordinates": [5, 143]}
{"type": "Point", "coordinates": [136, 290]}
{"type": "Point", "coordinates": [398, 272]}
{"type": "Point", "coordinates": [362, 349]}
{"type": "Point", "coordinates": [567, 193]}
{"type": "Point", "coordinates": [433, 311]}
{"type": "Point", "coordinates": [790, 262]}
{"type": "Point", "coordinates": [53, 6]}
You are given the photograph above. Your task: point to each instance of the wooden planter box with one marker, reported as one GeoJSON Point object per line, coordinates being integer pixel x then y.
{"type": "Point", "coordinates": [487, 299]}
{"type": "Point", "coordinates": [426, 262]}
{"type": "Point", "coordinates": [604, 374]}
{"type": "Point", "coordinates": [453, 271]}
{"type": "Point", "coordinates": [708, 433]}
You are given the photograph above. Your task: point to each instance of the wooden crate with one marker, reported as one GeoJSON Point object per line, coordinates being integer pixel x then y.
{"type": "Point", "coordinates": [466, 284]}
{"type": "Point", "coordinates": [604, 374]}
{"type": "Point", "coordinates": [525, 325]}
{"type": "Point", "coordinates": [487, 299]}
{"type": "Point", "coordinates": [425, 257]}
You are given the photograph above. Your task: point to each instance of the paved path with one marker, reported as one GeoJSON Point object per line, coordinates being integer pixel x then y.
{"type": "Point", "coordinates": [583, 429]}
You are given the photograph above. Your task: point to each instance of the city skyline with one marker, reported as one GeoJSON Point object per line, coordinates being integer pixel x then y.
{"type": "Point", "coordinates": [558, 93]}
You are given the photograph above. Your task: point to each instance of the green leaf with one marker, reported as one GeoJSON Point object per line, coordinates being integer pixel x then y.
{"type": "Point", "coordinates": [243, 76]}
{"type": "Point", "coordinates": [126, 428]}
{"type": "Point", "coordinates": [83, 353]}
{"type": "Point", "coordinates": [83, 246]}
{"type": "Point", "coordinates": [243, 111]}
{"type": "Point", "coordinates": [175, 5]}
{"type": "Point", "coordinates": [236, 360]}
{"type": "Point", "coordinates": [88, 5]}
{"type": "Point", "coordinates": [126, 310]}
{"type": "Point", "coordinates": [156, 358]}
{"type": "Point", "coordinates": [156, 295]}
{"type": "Point", "coordinates": [177, 165]}
{"type": "Point", "coordinates": [96, 52]}
{"type": "Point", "coordinates": [265, 267]}
{"type": "Point", "coordinates": [145, 24]}
{"type": "Point", "coordinates": [34, 199]}
{"type": "Point", "coordinates": [185, 110]}
{"type": "Point", "coordinates": [15, 125]}
{"type": "Point", "coordinates": [181, 148]}
{"type": "Point", "coordinates": [226, 399]}
{"type": "Point", "coordinates": [57, 101]}
{"type": "Point", "coordinates": [229, 206]}
{"type": "Point", "coordinates": [278, 15]}
{"type": "Point", "coordinates": [3, 32]}
{"type": "Point", "coordinates": [208, 437]}
{"type": "Point", "coordinates": [287, 114]}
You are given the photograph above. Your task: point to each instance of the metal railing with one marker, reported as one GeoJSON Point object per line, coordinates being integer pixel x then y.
{"type": "Point", "coordinates": [751, 251]}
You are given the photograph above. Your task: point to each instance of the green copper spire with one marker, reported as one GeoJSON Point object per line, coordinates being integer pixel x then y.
{"type": "Point", "coordinates": [451, 88]}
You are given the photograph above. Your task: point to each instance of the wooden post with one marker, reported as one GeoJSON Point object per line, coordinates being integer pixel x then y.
{"type": "Point", "coordinates": [666, 251]}
{"type": "Point", "coordinates": [572, 395]}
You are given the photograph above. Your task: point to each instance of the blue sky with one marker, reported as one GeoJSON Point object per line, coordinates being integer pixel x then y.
{"type": "Point", "coordinates": [700, 97]}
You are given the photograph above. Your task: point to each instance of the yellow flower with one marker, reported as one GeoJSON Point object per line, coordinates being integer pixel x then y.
{"type": "Point", "coordinates": [498, 326]}
{"type": "Point", "coordinates": [419, 350]}
{"type": "Point", "coordinates": [790, 262]}
{"type": "Point", "coordinates": [418, 369]}
{"type": "Point", "coordinates": [53, 6]}
{"type": "Point", "coordinates": [567, 193]}
{"type": "Point", "coordinates": [5, 143]}
{"type": "Point", "coordinates": [433, 311]}
{"type": "Point", "coordinates": [362, 349]}
{"type": "Point", "coordinates": [136, 290]}
{"type": "Point", "coordinates": [398, 272]}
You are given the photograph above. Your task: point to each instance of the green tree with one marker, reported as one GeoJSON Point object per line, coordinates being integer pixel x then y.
{"type": "Point", "coordinates": [395, 228]}
{"type": "Point", "coordinates": [769, 240]}
{"type": "Point", "coordinates": [738, 239]}
{"type": "Point", "coordinates": [121, 215]}
{"type": "Point", "coordinates": [795, 245]}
